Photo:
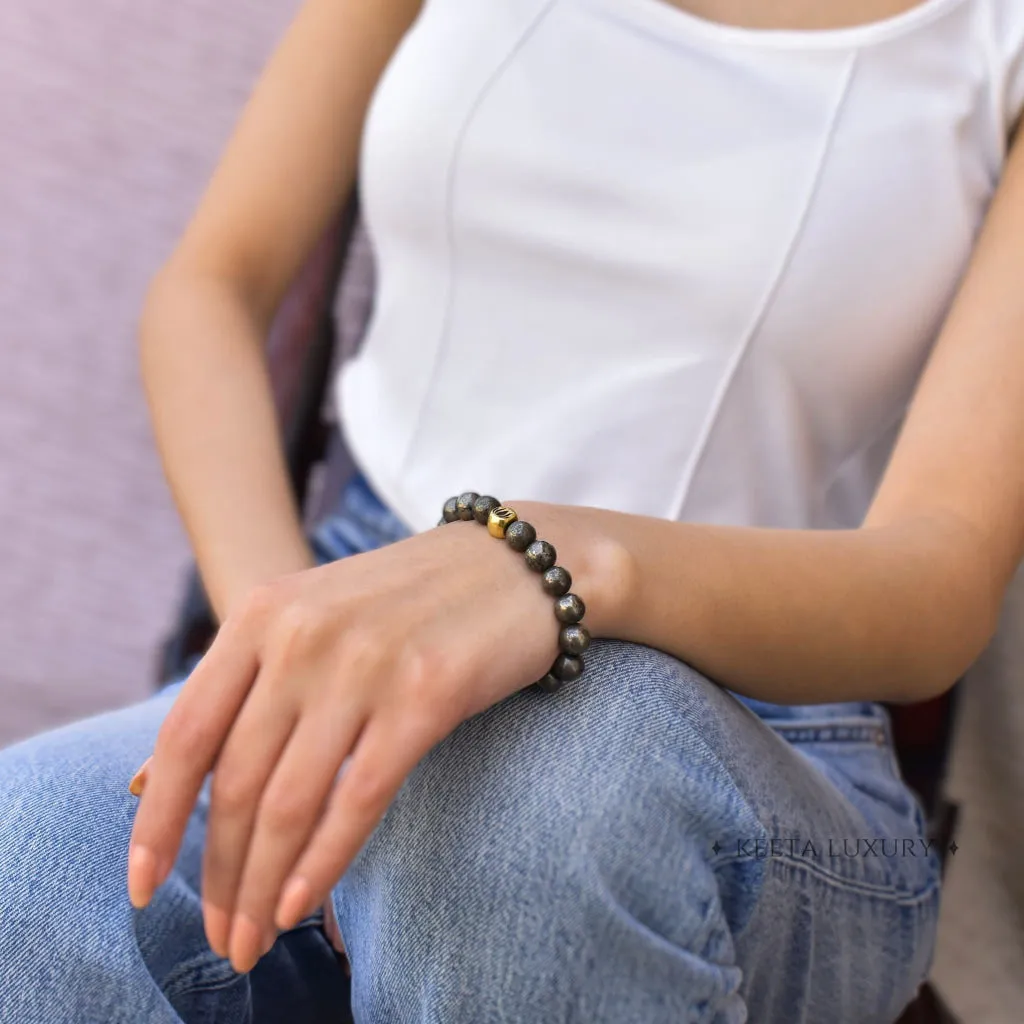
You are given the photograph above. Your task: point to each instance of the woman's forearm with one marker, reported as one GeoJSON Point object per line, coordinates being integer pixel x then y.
{"type": "Point", "coordinates": [280, 183]}
{"type": "Point", "coordinates": [216, 428]}
{"type": "Point", "coordinates": [789, 616]}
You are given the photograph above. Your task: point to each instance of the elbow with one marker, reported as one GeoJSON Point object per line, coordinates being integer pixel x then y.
{"type": "Point", "coordinates": [152, 329]}
{"type": "Point", "coordinates": [948, 649]}
{"type": "Point", "coordinates": [954, 598]}
{"type": "Point", "coordinates": [164, 324]}
{"type": "Point", "coordinates": [159, 294]}
{"type": "Point", "coordinates": [185, 310]}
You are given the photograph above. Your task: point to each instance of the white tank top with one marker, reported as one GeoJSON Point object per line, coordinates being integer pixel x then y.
{"type": "Point", "coordinates": [634, 259]}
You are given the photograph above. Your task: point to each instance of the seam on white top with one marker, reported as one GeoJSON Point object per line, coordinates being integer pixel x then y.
{"type": "Point", "coordinates": [703, 441]}
{"type": "Point", "coordinates": [444, 336]}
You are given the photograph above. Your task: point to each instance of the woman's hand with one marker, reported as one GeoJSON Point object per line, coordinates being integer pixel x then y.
{"type": "Point", "coordinates": [317, 698]}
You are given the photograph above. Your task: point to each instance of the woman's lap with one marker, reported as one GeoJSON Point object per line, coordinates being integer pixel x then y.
{"type": "Point", "coordinates": [640, 846]}
{"type": "Point", "coordinates": [601, 854]}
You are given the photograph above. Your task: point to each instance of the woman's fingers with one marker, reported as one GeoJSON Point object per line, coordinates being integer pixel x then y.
{"type": "Point", "coordinates": [245, 764]}
{"type": "Point", "coordinates": [386, 752]}
{"type": "Point", "coordinates": [291, 806]}
{"type": "Point", "coordinates": [185, 750]}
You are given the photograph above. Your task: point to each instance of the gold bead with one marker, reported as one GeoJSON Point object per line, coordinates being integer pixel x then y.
{"type": "Point", "coordinates": [500, 519]}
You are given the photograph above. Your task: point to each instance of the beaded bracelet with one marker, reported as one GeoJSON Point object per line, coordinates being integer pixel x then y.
{"type": "Point", "coordinates": [503, 523]}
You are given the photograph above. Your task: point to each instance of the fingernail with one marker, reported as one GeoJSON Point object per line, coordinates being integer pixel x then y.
{"type": "Point", "coordinates": [218, 929]}
{"type": "Point", "coordinates": [141, 875]}
{"type": "Point", "coordinates": [138, 783]}
{"type": "Point", "coordinates": [293, 905]}
{"type": "Point", "coordinates": [246, 943]}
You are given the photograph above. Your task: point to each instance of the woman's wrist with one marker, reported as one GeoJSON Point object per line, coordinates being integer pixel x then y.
{"type": "Point", "coordinates": [230, 585]}
{"type": "Point", "coordinates": [603, 571]}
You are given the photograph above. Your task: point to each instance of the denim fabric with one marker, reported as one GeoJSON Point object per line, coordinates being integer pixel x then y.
{"type": "Point", "coordinates": [641, 847]}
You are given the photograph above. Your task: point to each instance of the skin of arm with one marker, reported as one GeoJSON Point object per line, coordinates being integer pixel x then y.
{"type": "Point", "coordinates": [283, 176]}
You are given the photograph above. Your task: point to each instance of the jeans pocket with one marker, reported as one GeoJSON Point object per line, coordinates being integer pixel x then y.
{"type": "Point", "coordinates": [854, 728]}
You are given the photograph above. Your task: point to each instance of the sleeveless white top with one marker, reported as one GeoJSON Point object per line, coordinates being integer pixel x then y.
{"type": "Point", "coordinates": [634, 259]}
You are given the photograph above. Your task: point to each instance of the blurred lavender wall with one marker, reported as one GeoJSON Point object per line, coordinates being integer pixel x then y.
{"type": "Point", "coordinates": [112, 115]}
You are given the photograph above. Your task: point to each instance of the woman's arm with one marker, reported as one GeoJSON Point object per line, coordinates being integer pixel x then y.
{"type": "Point", "coordinates": [895, 610]}
{"type": "Point", "coordinates": [325, 688]}
{"type": "Point", "coordinates": [284, 175]}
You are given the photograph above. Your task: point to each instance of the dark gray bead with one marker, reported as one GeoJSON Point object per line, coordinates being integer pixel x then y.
{"type": "Point", "coordinates": [442, 522]}
{"type": "Point", "coordinates": [540, 556]}
{"type": "Point", "coordinates": [520, 535]}
{"type": "Point", "coordinates": [574, 639]}
{"type": "Point", "coordinates": [556, 581]}
{"type": "Point", "coordinates": [567, 667]}
{"type": "Point", "coordinates": [451, 510]}
{"type": "Point", "coordinates": [549, 684]}
{"type": "Point", "coordinates": [570, 608]}
{"type": "Point", "coordinates": [482, 508]}
{"type": "Point", "coordinates": [464, 505]}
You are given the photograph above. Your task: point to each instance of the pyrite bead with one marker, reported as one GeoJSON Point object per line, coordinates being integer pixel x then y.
{"type": "Point", "coordinates": [540, 556]}
{"type": "Point", "coordinates": [451, 510]}
{"type": "Point", "coordinates": [569, 608]}
{"type": "Point", "coordinates": [574, 639]}
{"type": "Point", "coordinates": [567, 668]}
{"type": "Point", "coordinates": [556, 581]}
{"type": "Point", "coordinates": [549, 684]}
{"type": "Point", "coordinates": [520, 535]}
{"type": "Point", "coordinates": [482, 508]}
{"type": "Point", "coordinates": [464, 505]}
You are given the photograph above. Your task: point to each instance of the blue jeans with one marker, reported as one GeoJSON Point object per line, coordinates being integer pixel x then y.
{"type": "Point", "coordinates": [641, 847]}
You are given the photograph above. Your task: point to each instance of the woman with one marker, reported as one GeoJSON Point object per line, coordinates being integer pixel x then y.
{"type": "Point", "coordinates": [721, 298]}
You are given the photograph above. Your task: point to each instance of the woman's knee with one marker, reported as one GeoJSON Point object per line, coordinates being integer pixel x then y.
{"type": "Point", "coordinates": [638, 751]}
{"type": "Point", "coordinates": [555, 837]}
